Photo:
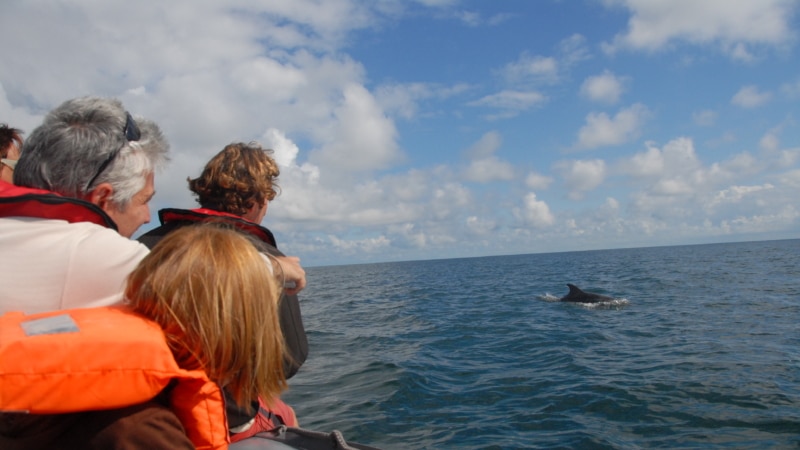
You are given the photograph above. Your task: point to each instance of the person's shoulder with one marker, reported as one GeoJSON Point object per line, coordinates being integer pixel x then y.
{"type": "Point", "coordinates": [152, 237]}
{"type": "Point", "coordinates": [64, 232]}
{"type": "Point", "coordinates": [102, 240]}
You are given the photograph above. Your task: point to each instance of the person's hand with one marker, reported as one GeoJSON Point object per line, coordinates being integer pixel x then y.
{"type": "Point", "coordinates": [293, 273]}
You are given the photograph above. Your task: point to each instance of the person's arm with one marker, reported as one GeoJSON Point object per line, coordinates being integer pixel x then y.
{"type": "Point", "coordinates": [100, 262]}
{"type": "Point", "coordinates": [291, 319]}
{"type": "Point", "coordinates": [148, 426]}
{"type": "Point", "coordinates": [295, 276]}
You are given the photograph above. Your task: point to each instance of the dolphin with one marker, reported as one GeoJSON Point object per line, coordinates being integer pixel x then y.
{"type": "Point", "coordinates": [578, 296]}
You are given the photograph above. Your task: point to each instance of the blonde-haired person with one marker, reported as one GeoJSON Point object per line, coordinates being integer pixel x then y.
{"type": "Point", "coordinates": [235, 187]}
{"type": "Point", "coordinates": [217, 302]}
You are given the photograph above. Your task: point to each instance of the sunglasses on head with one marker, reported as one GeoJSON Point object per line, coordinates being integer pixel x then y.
{"type": "Point", "coordinates": [132, 133]}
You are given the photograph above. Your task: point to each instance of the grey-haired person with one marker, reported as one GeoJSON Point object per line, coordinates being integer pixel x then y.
{"type": "Point", "coordinates": [81, 188]}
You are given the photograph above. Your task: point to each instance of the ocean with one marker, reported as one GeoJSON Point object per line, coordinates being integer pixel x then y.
{"type": "Point", "coordinates": [699, 349]}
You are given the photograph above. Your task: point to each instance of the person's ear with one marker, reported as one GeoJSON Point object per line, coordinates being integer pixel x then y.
{"type": "Point", "coordinates": [101, 195]}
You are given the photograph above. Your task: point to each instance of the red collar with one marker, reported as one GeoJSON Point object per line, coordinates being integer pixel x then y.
{"type": "Point", "coordinates": [203, 214]}
{"type": "Point", "coordinates": [17, 201]}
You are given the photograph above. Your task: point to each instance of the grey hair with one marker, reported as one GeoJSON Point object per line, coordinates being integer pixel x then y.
{"type": "Point", "coordinates": [65, 152]}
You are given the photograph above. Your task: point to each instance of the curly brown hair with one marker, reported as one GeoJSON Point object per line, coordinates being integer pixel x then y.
{"type": "Point", "coordinates": [237, 178]}
{"type": "Point", "coordinates": [9, 136]}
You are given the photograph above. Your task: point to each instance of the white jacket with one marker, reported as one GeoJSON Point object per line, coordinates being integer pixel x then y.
{"type": "Point", "coordinates": [50, 264]}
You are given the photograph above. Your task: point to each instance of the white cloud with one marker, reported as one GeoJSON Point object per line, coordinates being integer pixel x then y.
{"type": "Point", "coordinates": [402, 100]}
{"type": "Point", "coordinates": [23, 120]}
{"type": "Point", "coordinates": [654, 24]}
{"type": "Point", "coordinates": [486, 146]}
{"type": "Point", "coordinates": [601, 130]}
{"type": "Point", "coordinates": [475, 19]}
{"type": "Point", "coordinates": [484, 167]}
{"type": "Point", "coordinates": [535, 212]}
{"type": "Point", "coordinates": [646, 164]}
{"type": "Point", "coordinates": [762, 223]}
{"type": "Point", "coordinates": [308, 22]}
{"type": "Point", "coordinates": [74, 36]}
{"type": "Point", "coordinates": [361, 138]}
{"type": "Point", "coordinates": [605, 88]}
{"type": "Point", "coordinates": [499, 19]}
{"type": "Point", "coordinates": [769, 141]}
{"type": "Point", "coordinates": [511, 101]}
{"type": "Point", "coordinates": [470, 18]}
{"type": "Point", "coordinates": [787, 158]}
{"type": "Point", "coordinates": [438, 3]}
{"type": "Point", "coordinates": [489, 169]}
{"type": "Point", "coordinates": [582, 176]}
{"type": "Point", "coordinates": [791, 90]}
{"type": "Point", "coordinates": [740, 52]}
{"type": "Point", "coordinates": [537, 69]}
{"type": "Point", "coordinates": [791, 179]}
{"type": "Point", "coordinates": [532, 68]}
{"type": "Point", "coordinates": [573, 50]}
{"type": "Point", "coordinates": [750, 97]}
{"type": "Point", "coordinates": [724, 139]}
{"type": "Point", "coordinates": [448, 199]}
{"type": "Point", "coordinates": [735, 194]}
{"type": "Point", "coordinates": [537, 181]}
{"type": "Point", "coordinates": [285, 150]}
{"type": "Point", "coordinates": [672, 185]}
{"type": "Point", "coordinates": [705, 118]}
{"type": "Point", "coordinates": [367, 245]}
{"type": "Point", "coordinates": [677, 159]}
{"type": "Point", "coordinates": [481, 226]}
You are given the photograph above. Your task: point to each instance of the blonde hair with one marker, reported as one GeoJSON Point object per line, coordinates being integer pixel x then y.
{"type": "Point", "coordinates": [216, 299]}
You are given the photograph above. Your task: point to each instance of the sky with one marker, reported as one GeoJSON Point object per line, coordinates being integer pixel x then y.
{"type": "Point", "coordinates": [427, 129]}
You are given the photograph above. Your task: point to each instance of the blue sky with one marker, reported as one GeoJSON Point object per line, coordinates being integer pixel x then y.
{"type": "Point", "coordinates": [443, 128]}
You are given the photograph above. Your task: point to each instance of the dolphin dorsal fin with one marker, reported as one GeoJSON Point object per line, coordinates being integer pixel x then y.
{"type": "Point", "coordinates": [574, 289]}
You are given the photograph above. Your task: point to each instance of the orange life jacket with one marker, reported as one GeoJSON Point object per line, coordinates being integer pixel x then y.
{"type": "Point", "coordinates": [102, 358]}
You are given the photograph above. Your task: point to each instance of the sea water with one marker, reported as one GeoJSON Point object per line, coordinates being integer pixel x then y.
{"type": "Point", "coordinates": [700, 349]}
